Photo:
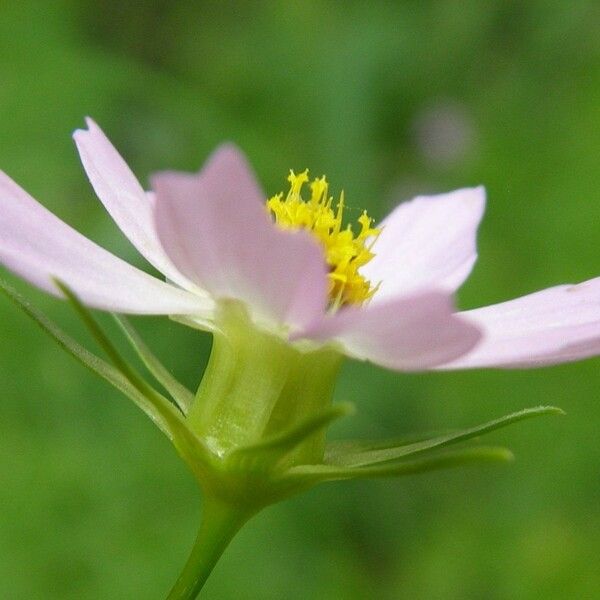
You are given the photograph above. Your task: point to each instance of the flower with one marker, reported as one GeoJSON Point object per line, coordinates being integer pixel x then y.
{"type": "Point", "coordinates": [286, 291]}
{"type": "Point", "coordinates": [211, 237]}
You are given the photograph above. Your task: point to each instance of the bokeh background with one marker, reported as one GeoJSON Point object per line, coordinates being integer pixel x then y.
{"type": "Point", "coordinates": [389, 99]}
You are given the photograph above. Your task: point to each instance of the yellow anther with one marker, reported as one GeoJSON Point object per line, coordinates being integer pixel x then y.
{"type": "Point", "coordinates": [345, 251]}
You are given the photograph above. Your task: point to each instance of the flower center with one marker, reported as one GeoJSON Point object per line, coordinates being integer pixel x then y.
{"type": "Point", "coordinates": [345, 251]}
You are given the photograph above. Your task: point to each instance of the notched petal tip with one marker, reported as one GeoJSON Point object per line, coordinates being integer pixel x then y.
{"type": "Point", "coordinates": [477, 193]}
{"type": "Point", "coordinates": [227, 168]}
{"type": "Point", "coordinates": [228, 150]}
{"type": "Point", "coordinates": [90, 127]}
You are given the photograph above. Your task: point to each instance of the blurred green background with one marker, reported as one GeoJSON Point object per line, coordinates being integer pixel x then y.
{"type": "Point", "coordinates": [389, 99]}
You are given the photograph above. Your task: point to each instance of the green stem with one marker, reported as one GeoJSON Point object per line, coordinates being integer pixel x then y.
{"type": "Point", "coordinates": [220, 523]}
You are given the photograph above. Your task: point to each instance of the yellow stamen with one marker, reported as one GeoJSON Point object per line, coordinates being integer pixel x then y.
{"type": "Point", "coordinates": [345, 251]}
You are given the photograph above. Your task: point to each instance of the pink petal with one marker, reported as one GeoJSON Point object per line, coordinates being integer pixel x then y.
{"type": "Point", "coordinates": [123, 196]}
{"type": "Point", "coordinates": [38, 246]}
{"type": "Point", "coordinates": [429, 242]}
{"type": "Point", "coordinates": [407, 334]}
{"type": "Point", "coordinates": [556, 325]}
{"type": "Point", "coordinates": [215, 229]}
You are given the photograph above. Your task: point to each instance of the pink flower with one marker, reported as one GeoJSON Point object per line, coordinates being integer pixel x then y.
{"type": "Point", "coordinates": [211, 237]}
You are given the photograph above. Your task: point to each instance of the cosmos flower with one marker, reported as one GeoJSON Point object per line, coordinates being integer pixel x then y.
{"type": "Point", "coordinates": [287, 289]}
{"type": "Point", "coordinates": [382, 294]}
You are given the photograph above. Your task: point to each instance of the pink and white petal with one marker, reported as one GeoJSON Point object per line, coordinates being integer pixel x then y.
{"type": "Point", "coordinates": [428, 242]}
{"type": "Point", "coordinates": [39, 247]}
{"type": "Point", "coordinates": [556, 325]}
{"type": "Point", "coordinates": [407, 334]}
{"type": "Point", "coordinates": [216, 230]}
{"type": "Point", "coordinates": [123, 197]}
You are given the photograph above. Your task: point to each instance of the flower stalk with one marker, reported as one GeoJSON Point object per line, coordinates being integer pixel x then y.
{"type": "Point", "coordinates": [220, 522]}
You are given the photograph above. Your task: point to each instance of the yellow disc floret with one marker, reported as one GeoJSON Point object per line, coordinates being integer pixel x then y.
{"type": "Point", "coordinates": [345, 251]}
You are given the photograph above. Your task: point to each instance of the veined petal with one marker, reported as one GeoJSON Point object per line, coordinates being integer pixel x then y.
{"type": "Point", "coordinates": [429, 242]}
{"type": "Point", "coordinates": [123, 197]}
{"type": "Point", "coordinates": [556, 325]}
{"type": "Point", "coordinates": [38, 246]}
{"type": "Point", "coordinates": [408, 334]}
{"type": "Point", "coordinates": [215, 229]}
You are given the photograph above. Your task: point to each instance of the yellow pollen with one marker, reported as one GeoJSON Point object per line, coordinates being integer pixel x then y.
{"type": "Point", "coordinates": [345, 251]}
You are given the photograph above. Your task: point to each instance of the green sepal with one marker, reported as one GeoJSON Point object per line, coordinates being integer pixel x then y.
{"type": "Point", "coordinates": [274, 449]}
{"type": "Point", "coordinates": [360, 453]}
{"type": "Point", "coordinates": [158, 408]}
{"type": "Point", "coordinates": [310, 475]}
{"type": "Point", "coordinates": [180, 394]}
{"type": "Point", "coordinates": [189, 446]}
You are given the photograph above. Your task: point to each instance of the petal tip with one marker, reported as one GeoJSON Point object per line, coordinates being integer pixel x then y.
{"type": "Point", "coordinates": [229, 154]}
{"type": "Point", "coordinates": [480, 193]}
{"type": "Point", "coordinates": [91, 124]}
{"type": "Point", "coordinates": [476, 195]}
{"type": "Point", "coordinates": [81, 133]}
